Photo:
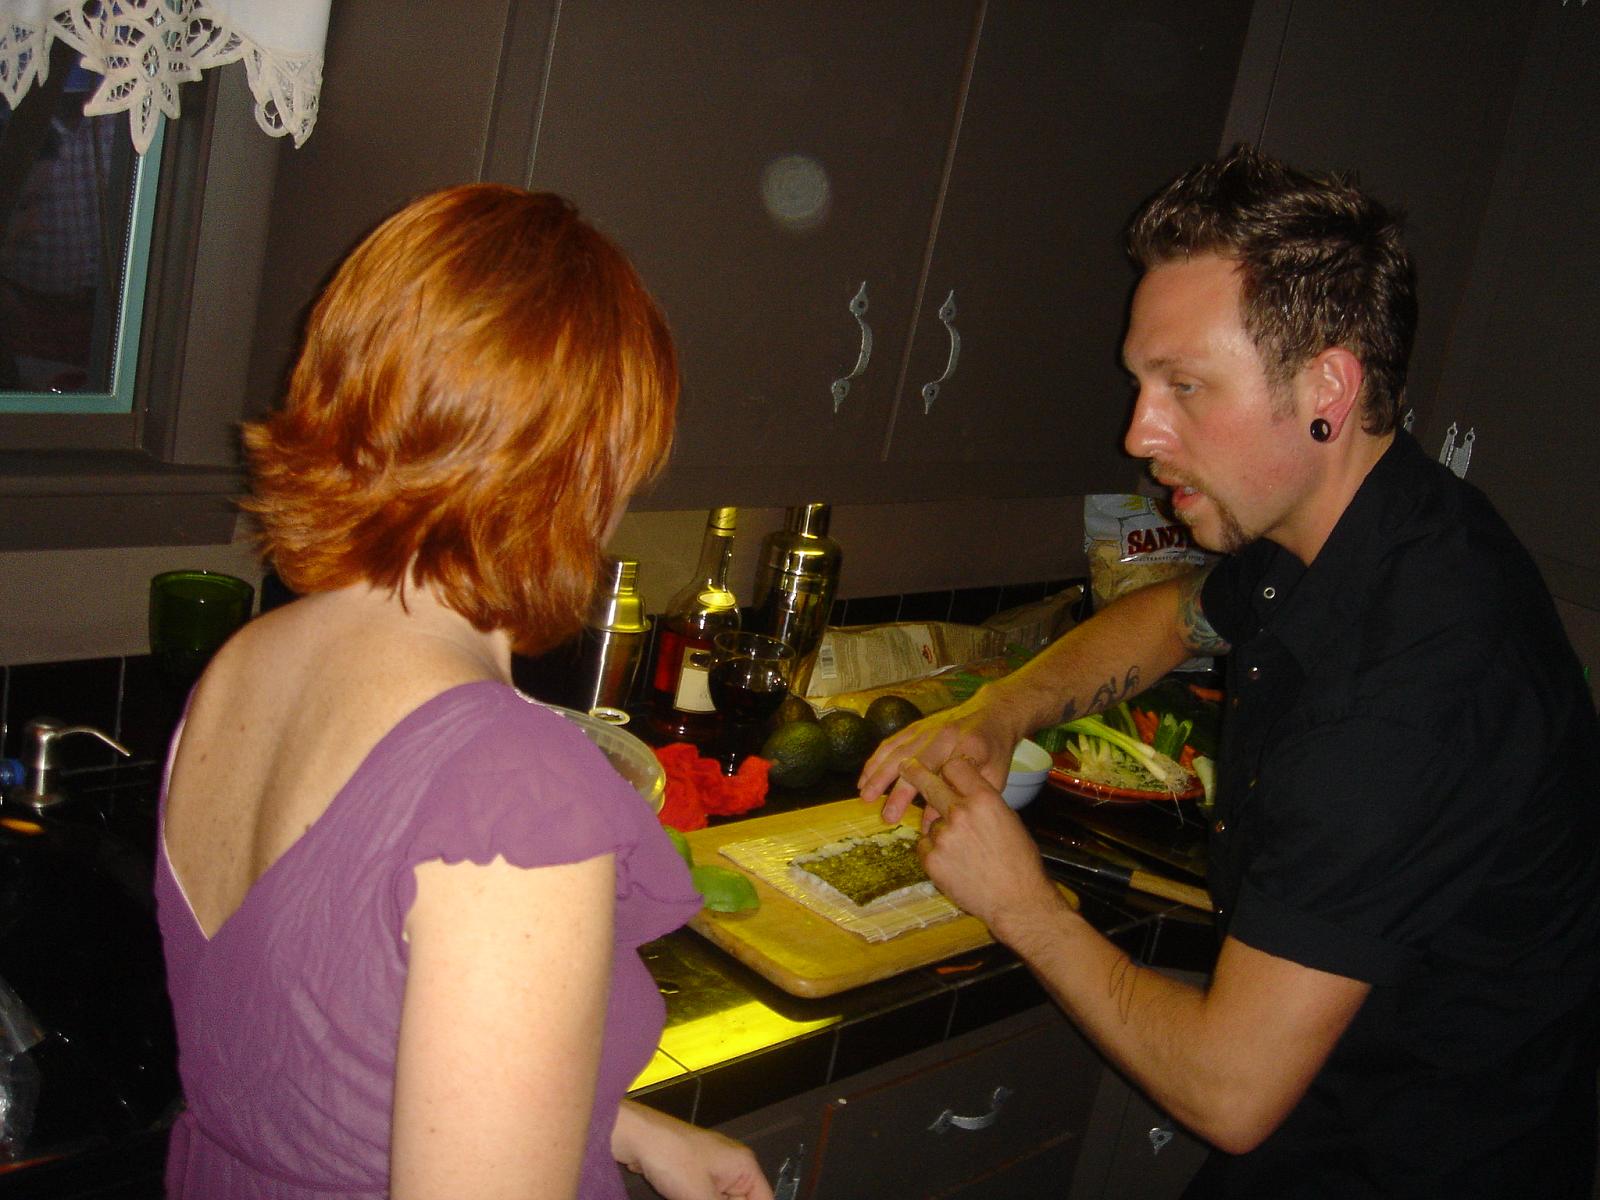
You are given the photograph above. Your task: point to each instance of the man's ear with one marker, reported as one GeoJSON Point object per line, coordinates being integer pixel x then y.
{"type": "Point", "coordinates": [1335, 377]}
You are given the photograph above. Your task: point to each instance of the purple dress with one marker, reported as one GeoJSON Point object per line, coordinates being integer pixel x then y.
{"type": "Point", "coordinates": [289, 1017]}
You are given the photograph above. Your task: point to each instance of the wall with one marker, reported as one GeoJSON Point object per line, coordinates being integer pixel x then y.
{"type": "Point", "coordinates": [78, 604]}
{"type": "Point", "coordinates": [71, 604]}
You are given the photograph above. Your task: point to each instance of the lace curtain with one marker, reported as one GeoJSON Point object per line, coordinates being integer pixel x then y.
{"type": "Point", "coordinates": [143, 49]}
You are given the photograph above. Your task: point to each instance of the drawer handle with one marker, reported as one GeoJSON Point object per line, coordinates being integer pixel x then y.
{"type": "Point", "coordinates": [947, 1118]}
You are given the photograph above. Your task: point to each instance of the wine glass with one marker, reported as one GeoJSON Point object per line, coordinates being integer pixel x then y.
{"type": "Point", "coordinates": [749, 678]}
{"type": "Point", "coordinates": [191, 614]}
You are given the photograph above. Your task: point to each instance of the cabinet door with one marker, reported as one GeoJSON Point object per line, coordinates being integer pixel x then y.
{"type": "Point", "coordinates": [1413, 98]}
{"type": "Point", "coordinates": [972, 1125]}
{"type": "Point", "coordinates": [1076, 112]}
{"type": "Point", "coordinates": [1153, 1158]}
{"type": "Point", "coordinates": [1518, 364]}
{"type": "Point", "coordinates": [406, 109]}
{"type": "Point", "coordinates": [782, 1138]}
{"type": "Point", "coordinates": [761, 163]}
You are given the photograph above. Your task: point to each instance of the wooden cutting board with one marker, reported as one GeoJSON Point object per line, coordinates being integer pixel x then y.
{"type": "Point", "coordinates": [801, 951]}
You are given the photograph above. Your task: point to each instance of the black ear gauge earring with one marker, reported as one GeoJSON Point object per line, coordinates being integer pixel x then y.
{"type": "Point", "coordinates": [1321, 431]}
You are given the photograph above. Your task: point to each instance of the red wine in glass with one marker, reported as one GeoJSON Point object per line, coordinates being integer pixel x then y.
{"type": "Point", "coordinates": [748, 680]}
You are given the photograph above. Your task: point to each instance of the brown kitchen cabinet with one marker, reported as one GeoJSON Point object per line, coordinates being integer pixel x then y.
{"type": "Point", "coordinates": [995, 1114]}
{"type": "Point", "coordinates": [1414, 99]}
{"type": "Point", "coordinates": [1516, 373]}
{"type": "Point", "coordinates": [1074, 115]}
{"type": "Point", "coordinates": [763, 164]}
{"type": "Point", "coordinates": [1478, 118]}
{"type": "Point", "coordinates": [981, 159]}
{"type": "Point", "coordinates": [1132, 1150]}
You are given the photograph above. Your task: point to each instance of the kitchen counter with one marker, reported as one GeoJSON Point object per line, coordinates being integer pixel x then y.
{"type": "Point", "coordinates": [733, 1042]}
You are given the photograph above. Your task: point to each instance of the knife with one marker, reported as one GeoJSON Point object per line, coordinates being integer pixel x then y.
{"type": "Point", "coordinates": [1058, 848]}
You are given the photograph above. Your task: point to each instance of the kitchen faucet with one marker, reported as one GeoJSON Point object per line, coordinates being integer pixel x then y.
{"type": "Point", "coordinates": [38, 787]}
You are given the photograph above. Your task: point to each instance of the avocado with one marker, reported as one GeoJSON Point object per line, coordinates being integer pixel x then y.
{"type": "Point", "coordinates": [891, 714]}
{"type": "Point", "coordinates": [798, 753]}
{"type": "Point", "coordinates": [793, 708]}
{"type": "Point", "coordinates": [850, 740]}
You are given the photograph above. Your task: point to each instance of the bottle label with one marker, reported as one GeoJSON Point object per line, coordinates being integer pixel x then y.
{"type": "Point", "coordinates": [694, 694]}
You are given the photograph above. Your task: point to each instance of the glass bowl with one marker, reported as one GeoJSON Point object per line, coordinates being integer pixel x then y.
{"type": "Point", "coordinates": [634, 760]}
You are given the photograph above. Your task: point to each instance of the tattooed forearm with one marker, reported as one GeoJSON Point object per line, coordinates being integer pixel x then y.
{"type": "Point", "coordinates": [1124, 976]}
{"type": "Point", "coordinates": [1112, 691]}
{"type": "Point", "coordinates": [1197, 633]}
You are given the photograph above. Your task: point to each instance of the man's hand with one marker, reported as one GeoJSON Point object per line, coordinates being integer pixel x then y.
{"type": "Point", "coordinates": [976, 848]}
{"type": "Point", "coordinates": [977, 732]}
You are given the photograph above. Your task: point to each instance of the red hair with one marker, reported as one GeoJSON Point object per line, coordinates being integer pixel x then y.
{"type": "Point", "coordinates": [482, 386]}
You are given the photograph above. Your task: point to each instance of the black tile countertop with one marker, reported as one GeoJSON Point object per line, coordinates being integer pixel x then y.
{"type": "Point", "coordinates": [733, 1042]}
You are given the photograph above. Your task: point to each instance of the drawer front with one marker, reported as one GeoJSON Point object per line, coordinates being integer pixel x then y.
{"type": "Point", "coordinates": [942, 1130]}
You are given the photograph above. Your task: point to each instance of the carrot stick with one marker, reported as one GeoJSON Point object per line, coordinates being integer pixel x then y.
{"type": "Point", "coordinates": [1146, 724]}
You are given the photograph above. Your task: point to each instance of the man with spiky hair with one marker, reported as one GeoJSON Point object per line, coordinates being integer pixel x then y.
{"type": "Point", "coordinates": [1405, 856]}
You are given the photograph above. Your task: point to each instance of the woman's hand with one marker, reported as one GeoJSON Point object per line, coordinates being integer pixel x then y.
{"type": "Point", "coordinates": [683, 1161]}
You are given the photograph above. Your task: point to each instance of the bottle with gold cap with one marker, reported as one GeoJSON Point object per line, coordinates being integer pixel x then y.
{"type": "Point", "coordinates": [680, 700]}
{"type": "Point", "coordinates": [796, 580]}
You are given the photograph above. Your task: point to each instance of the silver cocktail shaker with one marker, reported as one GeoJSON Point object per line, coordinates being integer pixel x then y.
{"type": "Point", "coordinates": [611, 643]}
{"type": "Point", "coordinates": [795, 584]}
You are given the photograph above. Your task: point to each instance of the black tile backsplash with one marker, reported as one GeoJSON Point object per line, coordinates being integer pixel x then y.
{"type": "Point", "coordinates": [974, 606]}
{"type": "Point", "coordinates": [925, 606]}
{"type": "Point", "coordinates": [548, 675]}
{"type": "Point", "coordinates": [82, 692]}
{"type": "Point", "coordinates": [870, 610]}
{"type": "Point", "coordinates": [124, 697]}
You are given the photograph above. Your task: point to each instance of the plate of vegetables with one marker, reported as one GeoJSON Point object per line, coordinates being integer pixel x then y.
{"type": "Point", "coordinates": [1157, 747]}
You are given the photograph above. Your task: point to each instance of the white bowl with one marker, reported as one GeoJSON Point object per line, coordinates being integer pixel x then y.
{"type": "Point", "coordinates": [1030, 767]}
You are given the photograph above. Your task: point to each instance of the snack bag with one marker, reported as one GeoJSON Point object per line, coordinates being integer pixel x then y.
{"type": "Point", "coordinates": [1131, 542]}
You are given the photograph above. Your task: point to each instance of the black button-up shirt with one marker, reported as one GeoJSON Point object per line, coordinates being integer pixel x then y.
{"type": "Point", "coordinates": [1407, 796]}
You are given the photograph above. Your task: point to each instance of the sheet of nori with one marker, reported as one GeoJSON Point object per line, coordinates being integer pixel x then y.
{"type": "Point", "coordinates": [870, 869]}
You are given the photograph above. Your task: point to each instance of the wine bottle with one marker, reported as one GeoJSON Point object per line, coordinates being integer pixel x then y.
{"type": "Point", "coordinates": [704, 607]}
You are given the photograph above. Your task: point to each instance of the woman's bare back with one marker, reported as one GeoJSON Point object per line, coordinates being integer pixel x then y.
{"type": "Point", "coordinates": [285, 714]}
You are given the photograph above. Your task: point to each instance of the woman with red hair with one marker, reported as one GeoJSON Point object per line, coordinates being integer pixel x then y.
{"type": "Point", "coordinates": [401, 905]}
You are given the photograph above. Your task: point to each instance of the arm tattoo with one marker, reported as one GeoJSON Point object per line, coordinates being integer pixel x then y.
{"type": "Point", "coordinates": [1113, 691]}
{"type": "Point", "coordinates": [1196, 631]}
{"type": "Point", "coordinates": [1124, 975]}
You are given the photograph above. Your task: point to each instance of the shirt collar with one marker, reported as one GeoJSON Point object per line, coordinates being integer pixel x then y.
{"type": "Point", "coordinates": [1314, 603]}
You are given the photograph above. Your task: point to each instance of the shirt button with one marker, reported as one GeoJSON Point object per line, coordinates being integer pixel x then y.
{"type": "Point", "coordinates": [1253, 674]}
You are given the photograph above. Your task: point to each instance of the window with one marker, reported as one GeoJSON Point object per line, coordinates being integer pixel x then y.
{"type": "Point", "coordinates": [171, 340]}
{"type": "Point", "coordinates": [76, 210]}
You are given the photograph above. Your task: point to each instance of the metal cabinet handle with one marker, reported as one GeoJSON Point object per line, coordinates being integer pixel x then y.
{"type": "Point", "coordinates": [947, 1118]}
{"type": "Point", "coordinates": [947, 314]}
{"type": "Point", "coordinates": [1456, 455]}
{"type": "Point", "coordinates": [787, 1185]}
{"type": "Point", "coordinates": [858, 309]}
